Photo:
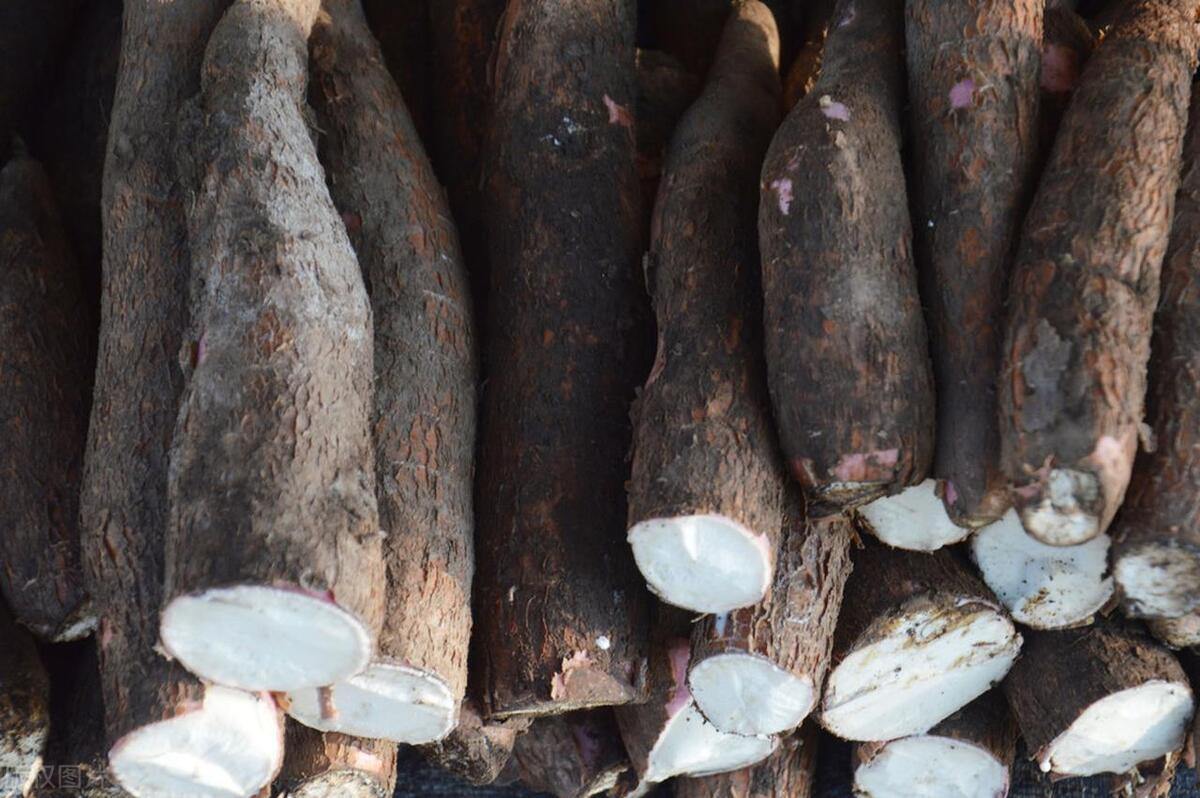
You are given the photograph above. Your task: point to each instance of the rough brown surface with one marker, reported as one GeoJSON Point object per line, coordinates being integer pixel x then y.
{"type": "Point", "coordinates": [794, 626]}
{"type": "Point", "coordinates": [845, 341]}
{"type": "Point", "coordinates": [665, 89]}
{"type": "Point", "coordinates": [1161, 513]}
{"type": "Point", "coordinates": [425, 369]}
{"type": "Point", "coordinates": [806, 66]}
{"type": "Point", "coordinates": [335, 765]}
{"type": "Point", "coordinates": [46, 359]}
{"type": "Point", "coordinates": [703, 442]}
{"type": "Point", "coordinates": [24, 708]}
{"type": "Point", "coordinates": [1067, 43]}
{"type": "Point", "coordinates": [272, 477]}
{"type": "Point", "coordinates": [403, 28]}
{"type": "Point", "coordinates": [1087, 274]}
{"type": "Point", "coordinates": [475, 750]}
{"type": "Point", "coordinates": [973, 89]}
{"type": "Point", "coordinates": [1061, 673]}
{"type": "Point", "coordinates": [138, 377]}
{"type": "Point", "coordinates": [571, 756]}
{"type": "Point", "coordinates": [560, 604]}
{"type": "Point", "coordinates": [790, 772]}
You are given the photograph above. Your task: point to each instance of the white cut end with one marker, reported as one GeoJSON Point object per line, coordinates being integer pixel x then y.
{"type": "Point", "coordinates": [914, 519]}
{"type": "Point", "coordinates": [742, 693]}
{"type": "Point", "coordinates": [705, 563]}
{"type": "Point", "coordinates": [1121, 730]}
{"type": "Point", "coordinates": [929, 766]}
{"type": "Point", "coordinates": [385, 701]}
{"type": "Point", "coordinates": [1158, 581]}
{"type": "Point", "coordinates": [929, 664]}
{"type": "Point", "coordinates": [1182, 632]}
{"type": "Point", "coordinates": [230, 747]}
{"type": "Point", "coordinates": [691, 746]}
{"type": "Point", "coordinates": [1061, 517]}
{"type": "Point", "coordinates": [1046, 587]}
{"type": "Point", "coordinates": [264, 638]}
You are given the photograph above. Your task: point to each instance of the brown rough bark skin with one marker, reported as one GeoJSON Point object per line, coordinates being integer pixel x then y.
{"type": "Point", "coordinates": [973, 88]}
{"type": "Point", "coordinates": [402, 28]}
{"type": "Point", "coordinates": [335, 765]}
{"type": "Point", "coordinates": [425, 367]}
{"type": "Point", "coordinates": [463, 35]}
{"type": "Point", "coordinates": [984, 723]}
{"type": "Point", "coordinates": [24, 708]}
{"type": "Point", "coordinates": [32, 33]}
{"type": "Point", "coordinates": [703, 442]}
{"type": "Point", "coordinates": [846, 352]}
{"type": "Point", "coordinates": [1161, 513]}
{"type": "Point", "coordinates": [1086, 276]}
{"type": "Point", "coordinates": [476, 750]}
{"type": "Point", "coordinates": [664, 91]}
{"type": "Point", "coordinates": [1067, 43]}
{"type": "Point", "coordinates": [790, 772]}
{"type": "Point", "coordinates": [573, 755]}
{"type": "Point", "coordinates": [1062, 673]}
{"type": "Point", "coordinates": [561, 605]}
{"type": "Point", "coordinates": [806, 66]}
{"type": "Point", "coordinates": [794, 626]}
{"type": "Point", "coordinates": [138, 377]}
{"type": "Point", "coordinates": [272, 477]}
{"type": "Point", "coordinates": [46, 363]}
{"type": "Point", "coordinates": [1178, 632]}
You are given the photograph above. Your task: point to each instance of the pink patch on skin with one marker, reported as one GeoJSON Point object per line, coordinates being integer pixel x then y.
{"type": "Point", "coordinates": [586, 742]}
{"type": "Point", "coordinates": [558, 685]}
{"type": "Point", "coordinates": [617, 113]}
{"type": "Point", "coordinates": [783, 189]}
{"type": "Point", "coordinates": [855, 467]}
{"type": "Point", "coordinates": [951, 494]}
{"type": "Point", "coordinates": [201, 349]}
{"type": "Point", "coordinates": [833, 109]}
{"type": "Point", "coordinates": [1060, 69]}
{"type": "Point", "coordinates": [962, 94]}
{"type": "Point", "coordinates": [680, 653]}
{"type": "Point", "coordinates": [848, 18]}
{"type": "Point", "coordinates": [366, 761]}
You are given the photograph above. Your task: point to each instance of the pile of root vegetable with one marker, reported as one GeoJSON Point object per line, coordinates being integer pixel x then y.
{"type": "Point", "coordinates": [597, 394]}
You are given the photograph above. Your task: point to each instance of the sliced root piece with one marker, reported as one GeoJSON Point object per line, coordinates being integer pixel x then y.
{"type": "Point", "coordinates": [1098, 700]}
{"type": "Point", "coordinates": [1158, 578]}
{"type": "Point", "coordinates": [256, 637]}
{"type": "Point", "coordinates": [474, 750]}
{"type": "Point", "coordinates": [790, 772]}
{"type": "Point", "coordinates": [387, 701]}
{"type": "Point", "coordinates": [914, 519]}
{"type": "Point", "coordinates": [919, 638]}
{"type": "Point", "coordinates": [1181, 632]}
{"type": "Point", "coordinates": [319, 765]}
{"type": "Point", "coordinates": [1065, 510]}
{"type": "Point", "coordinates": [573, 755]}
{"type": "Point", "coordinates": [228, 746]}
{"type": "Point", "coordinates": [705, 563]}
{"type": "Point", "coordinates": [24, 708]}
{"type": "Point", "coordinates": [1046, 587]}
{"type": "Point", "coordinates": [968, 755]}
{"type": "Point", "coordinates": [758, 670]}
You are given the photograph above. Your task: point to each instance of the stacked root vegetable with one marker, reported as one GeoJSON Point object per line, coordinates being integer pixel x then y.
{"type": "Point", "coordinates": [596, 394]}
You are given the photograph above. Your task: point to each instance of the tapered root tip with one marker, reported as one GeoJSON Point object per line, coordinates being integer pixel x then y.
{"type": "Point", "coordinates": [1120, 730]}
{"type": "Point", "coordinates": [691, 746]}
{"type": "Point", "coordinates": [1158, 580]}
{"type": "Point", "coordinates": [741, 693]}
{"type": "Point", "coordinates": [1065, 510]}
{"type": "Point", "coordinates": [265, 638]}
{"type": "Point", "coordinates": [385, 701]}
{"type": "Point", "coordinates": [914, 519]}
{"type": "Point", "coordinates": [229, 747]}
{"type": "Point", "coordinates": [928, 661]}
{"type": "Point", "coordinates": [704, 563]}
{"type": "Point", "coordinates": [930, 766]}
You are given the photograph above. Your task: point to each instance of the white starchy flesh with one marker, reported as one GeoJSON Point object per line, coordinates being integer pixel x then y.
{"type": "Point", "coordinates": [1046, 587]}
{"type": "Point", "coordinates": [914, 519]}
{"type": "Point", "coordinates": [691, 746]}
{"type": "Point", "coordinates": [929, 766]}
{"type": "Point", "coordinates": [929, 665]}
{"type": "Point", "coordinates": [1121, 730]}
{"type": "Point", "coordinates": [1150, 578]}
{"type": "Point", "coordinates": [265, 638]}
{"type": "Point", "coordinates": [1182, 632]}
{"type": "Point", "coordinates": [230, 747]}
{"type": "Point", "coordinates": [21, 761]}
{"type": "Point", "coordinates": [742, 693]}
{"type": "Point", "coordinates": [704, 563]}
{"type": "Point", "coordinates": [1058, 519]}
{"type": "Point", "coordinates": [385, 701]}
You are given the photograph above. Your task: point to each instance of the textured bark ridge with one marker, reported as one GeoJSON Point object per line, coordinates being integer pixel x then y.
{"type": "Point", "coordinates": [1067, 43]}
{"type": "Point", "coordinates": [561, 606]}
{"type": "Point", "coordinates": [274, 563]}
{"type": "Point", "coordinates": [790, 772]}
{"type": "Point", "coordinates": [332, 765]}
{"type": "Point", "coordinates": [806, 66]}
{"type": "Point", "coordinates": [475, 750]}
{"type": "Point", "coordinates": [706, 490]}
{"type": "Point", "coordinates": [973, 85]}
{"type": "Point", "coordinates": [969, 754]}
{"type": "Point", "coordinates": [1086, 278]}
{"type": "Point", "coordinates": [24, 708]}
{"type": "Point", "coordinates": [845, 341]}
{"type": "Point", "coordinates": [665, 89]}
{"type": "Point", "coordinates": [573, 755]}
{"type": "Point", "coordinates": [760, 670]}
{"type": "Point", "coordinates": [1099, 699]}
{"type": "Point", "coordinates": [1156, 560]}
{"type": "Point", "coordinates": [402, 28]}
{"type": "Point", "coordinates": [46, 350]}
{"type": "Point", "coordinates": [919, 637]}
{"type": "Point", "coordinates": [424, 410]}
